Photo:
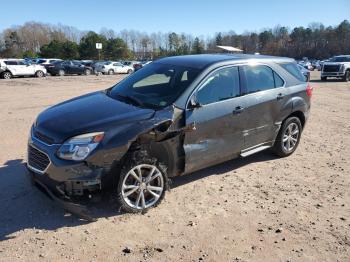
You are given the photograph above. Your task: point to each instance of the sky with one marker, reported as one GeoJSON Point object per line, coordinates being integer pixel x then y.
{"type": "Point", "coordinates": [197, 17]}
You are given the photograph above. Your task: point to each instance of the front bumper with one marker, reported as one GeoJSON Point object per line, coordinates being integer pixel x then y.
{"type": "Point", "coordinates": [61, 176]}
{"type": "Point", "coordinates": [332, 74]}
{"type": "Point", "coordinates": [62, 201]}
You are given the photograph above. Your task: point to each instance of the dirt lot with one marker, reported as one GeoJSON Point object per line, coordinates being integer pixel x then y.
{"type": "Point", "coordinates": [260, 208]}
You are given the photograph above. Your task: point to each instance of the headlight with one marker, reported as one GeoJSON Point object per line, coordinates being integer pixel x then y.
{"type": "Point", "coordinates": [79, 147]}
{"type": "Point", "coordinates": [342, 67]}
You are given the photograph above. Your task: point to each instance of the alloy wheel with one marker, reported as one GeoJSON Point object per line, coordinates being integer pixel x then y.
{"type": "Point", "coordinates": [290, 137]}
{"type": "Point", "coordinates": [142, 186]}
{"type": "Point", "coordinates": [7, 75]}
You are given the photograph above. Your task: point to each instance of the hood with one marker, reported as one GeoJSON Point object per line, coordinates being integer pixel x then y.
{"type": "Point", "coordinates": [89, 113]}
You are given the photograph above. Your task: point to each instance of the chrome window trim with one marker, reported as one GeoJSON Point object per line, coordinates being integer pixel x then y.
{"type": "Point", "coordinates": [233, 65]}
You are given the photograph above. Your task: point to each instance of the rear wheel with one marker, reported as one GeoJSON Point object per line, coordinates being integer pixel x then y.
{"type": "Point", "coordinates": [61, 72]}
{"type": "Point", "coordinates": [87, 72]}
{"type": "Point", "coordinates": [6, 75]}
{"type": "Point", "coordinates": [129, 71]}
{"type": "Point", "coordinates": [346, 77]}
{"type": "Point", "coordinates": [288, 137]}
{"type": "Point", "coordinates": [323, 78]}
{"type": "Point", "coordinates": [39, 74]}
{"type": "Point", "coordinates": [142, 183]}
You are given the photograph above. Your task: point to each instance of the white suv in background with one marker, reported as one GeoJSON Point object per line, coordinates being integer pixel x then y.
{"type": "Point", "coordinates": [19, 67]}
{"type": "Point", "coordinates": [112, 68]}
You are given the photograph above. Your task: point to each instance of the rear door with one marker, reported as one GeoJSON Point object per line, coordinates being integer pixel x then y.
{"type": "Point", "coordinates": [216, 133]}
{"type": "Point", "coordinates": [264, 99]}
{"type": "Point", "coordinates": [13, 66]}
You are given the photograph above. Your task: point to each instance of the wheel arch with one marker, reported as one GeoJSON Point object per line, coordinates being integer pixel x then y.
{"type": "Point", "coordinates": [299, 114]}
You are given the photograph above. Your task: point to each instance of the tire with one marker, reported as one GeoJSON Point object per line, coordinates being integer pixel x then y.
{"type": "Point", "coordinates": [129, 71]}
{"type": "Point", "coordinates": [346, 77]}
{"type": "Point", "coordinates": [131, 200]}
{"type": "Point", "coordinates": [87, 72]}
{"type": "Point", "coordinates": [111, 72]}
{"type": "Point", "coordinates": [284, 140]}
{"type": "Point", "coordinates": [61, 72]}
{"type": "Point", "coordinates": [39, 74]}
{"type": "Point", "coordinates": [323, 78]}
{"type": "Point", "coordinates": [6, 75]}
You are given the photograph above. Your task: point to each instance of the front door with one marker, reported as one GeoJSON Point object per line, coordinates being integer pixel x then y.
{"type": "Point", "coordinates": [216, 135]}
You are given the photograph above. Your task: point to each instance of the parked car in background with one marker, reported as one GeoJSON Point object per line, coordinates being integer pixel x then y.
{"type": "Point", "coordinates": [307, 65]}
{"type": "Point", "coordinates": [68, 67]}
{"type": "Point", "coordinates": [130, 63]}
{"type": "Point", "coordinates": [338, 66]}
{"type": "Point", "coordinates": [139, 65]}
{"type": "Point", "coordinates": [305, 72]}
{"type": "Point", "coordinates": [19, 67]}
{"type": "Point", "coordinates": [176, 116]}
{"type": "Point", "coordinates": [45, 61]}
{"type": "Point", "coordinates": [113, 67]}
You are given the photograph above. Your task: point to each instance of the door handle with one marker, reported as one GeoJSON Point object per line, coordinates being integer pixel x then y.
{"type": "Point", "coordinates": [238, 110]}
{"type": "Point", "coordinates": [280, 96]}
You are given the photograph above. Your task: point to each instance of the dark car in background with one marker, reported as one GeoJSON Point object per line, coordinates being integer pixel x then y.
{"type": "Point", "coordinates": [140, 65]}
{"type": "Point", "coordinates": [173, 117]}
{"type": "Point", "coordinates": [68, 67]}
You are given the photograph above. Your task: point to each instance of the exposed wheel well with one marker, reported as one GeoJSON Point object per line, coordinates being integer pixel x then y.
{"type": "Point", "coordinates": [299, 115]}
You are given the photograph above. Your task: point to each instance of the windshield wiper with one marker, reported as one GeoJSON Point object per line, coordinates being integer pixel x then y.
{"type": "Point", "coordinates": [131, 99]}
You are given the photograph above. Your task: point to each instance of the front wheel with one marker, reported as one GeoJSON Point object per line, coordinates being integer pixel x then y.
{"type": "Point", "coordinates": [346, 77]}
{"type": "Point", "coordinates": [111, 72]}
{"type": "Point", "coordinates": [142, 183]}
{"type": "Point", "coordinates": [323, 78]}
{"type": "Point", "coordinates": [87, 72]}
{"type": "Point", "coordinates": [129, 71]}
{"type": "Point", "coordinates": [288, 137]}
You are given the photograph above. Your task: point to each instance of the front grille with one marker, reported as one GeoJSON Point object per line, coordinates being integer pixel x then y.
{"type": "Point", "coordinates": [37, 159]}
{"type": "Point", "coordinates": [331, 68]}
{"type": "Point", "coordinates": [43, 138]}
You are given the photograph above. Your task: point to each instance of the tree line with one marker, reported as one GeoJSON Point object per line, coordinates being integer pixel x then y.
{"type": "Point", "coordinates": [35, 39]}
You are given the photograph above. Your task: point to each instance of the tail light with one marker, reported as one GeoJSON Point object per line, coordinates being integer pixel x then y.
{"type": "Point", "coordinates": [50, 65]}
{"type": "Point", "coordinates": [309, 90]}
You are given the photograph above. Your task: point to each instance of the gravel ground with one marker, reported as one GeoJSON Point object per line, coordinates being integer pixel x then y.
{"type": "Point", "coordinates": [260, 208]}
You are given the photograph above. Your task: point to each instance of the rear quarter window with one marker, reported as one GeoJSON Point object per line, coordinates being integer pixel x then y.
{"type": "Point", "coordinates": [10, 63]}
{"type": "Point", "coordinates": [293, 69]}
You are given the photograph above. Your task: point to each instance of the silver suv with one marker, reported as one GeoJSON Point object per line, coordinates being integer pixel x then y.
{"type": "Point", "coordinates": [338, 66]}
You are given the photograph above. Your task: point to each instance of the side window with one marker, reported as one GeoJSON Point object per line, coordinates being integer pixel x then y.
{"type": "Point", "coordinates": [220, 85]}
{"type": "Point", "coordinates": [278, 80]}
{"type": "Point", "coordinates": [293, 69]}
{"type": "Point", "coordinates": [258, 78]}
{"type": "Point", "coordinates": [10, 62]}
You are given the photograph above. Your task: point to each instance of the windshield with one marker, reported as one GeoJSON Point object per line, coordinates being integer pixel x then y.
{"type": "Point", "coordinates": [154, 86]}
{"type": "Point", "coordinates": [340, 59]}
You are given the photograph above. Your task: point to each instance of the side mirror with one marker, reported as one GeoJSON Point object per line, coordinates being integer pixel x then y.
{"type": "Point", "coordinates": [194, 103]}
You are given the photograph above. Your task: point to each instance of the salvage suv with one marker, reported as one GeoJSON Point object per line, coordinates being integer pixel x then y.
{"type": "Point", "coordinates": [338, 66]}
{"type": "Point", "coordinates": [172, 117]}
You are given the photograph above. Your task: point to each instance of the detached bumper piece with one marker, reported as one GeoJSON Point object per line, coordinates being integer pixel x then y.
{"type": "Point", "coordinates": [77, 210]}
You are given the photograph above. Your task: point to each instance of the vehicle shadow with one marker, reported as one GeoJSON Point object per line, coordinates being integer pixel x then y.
{"type": "Point", "coordinates": [24, 207]}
